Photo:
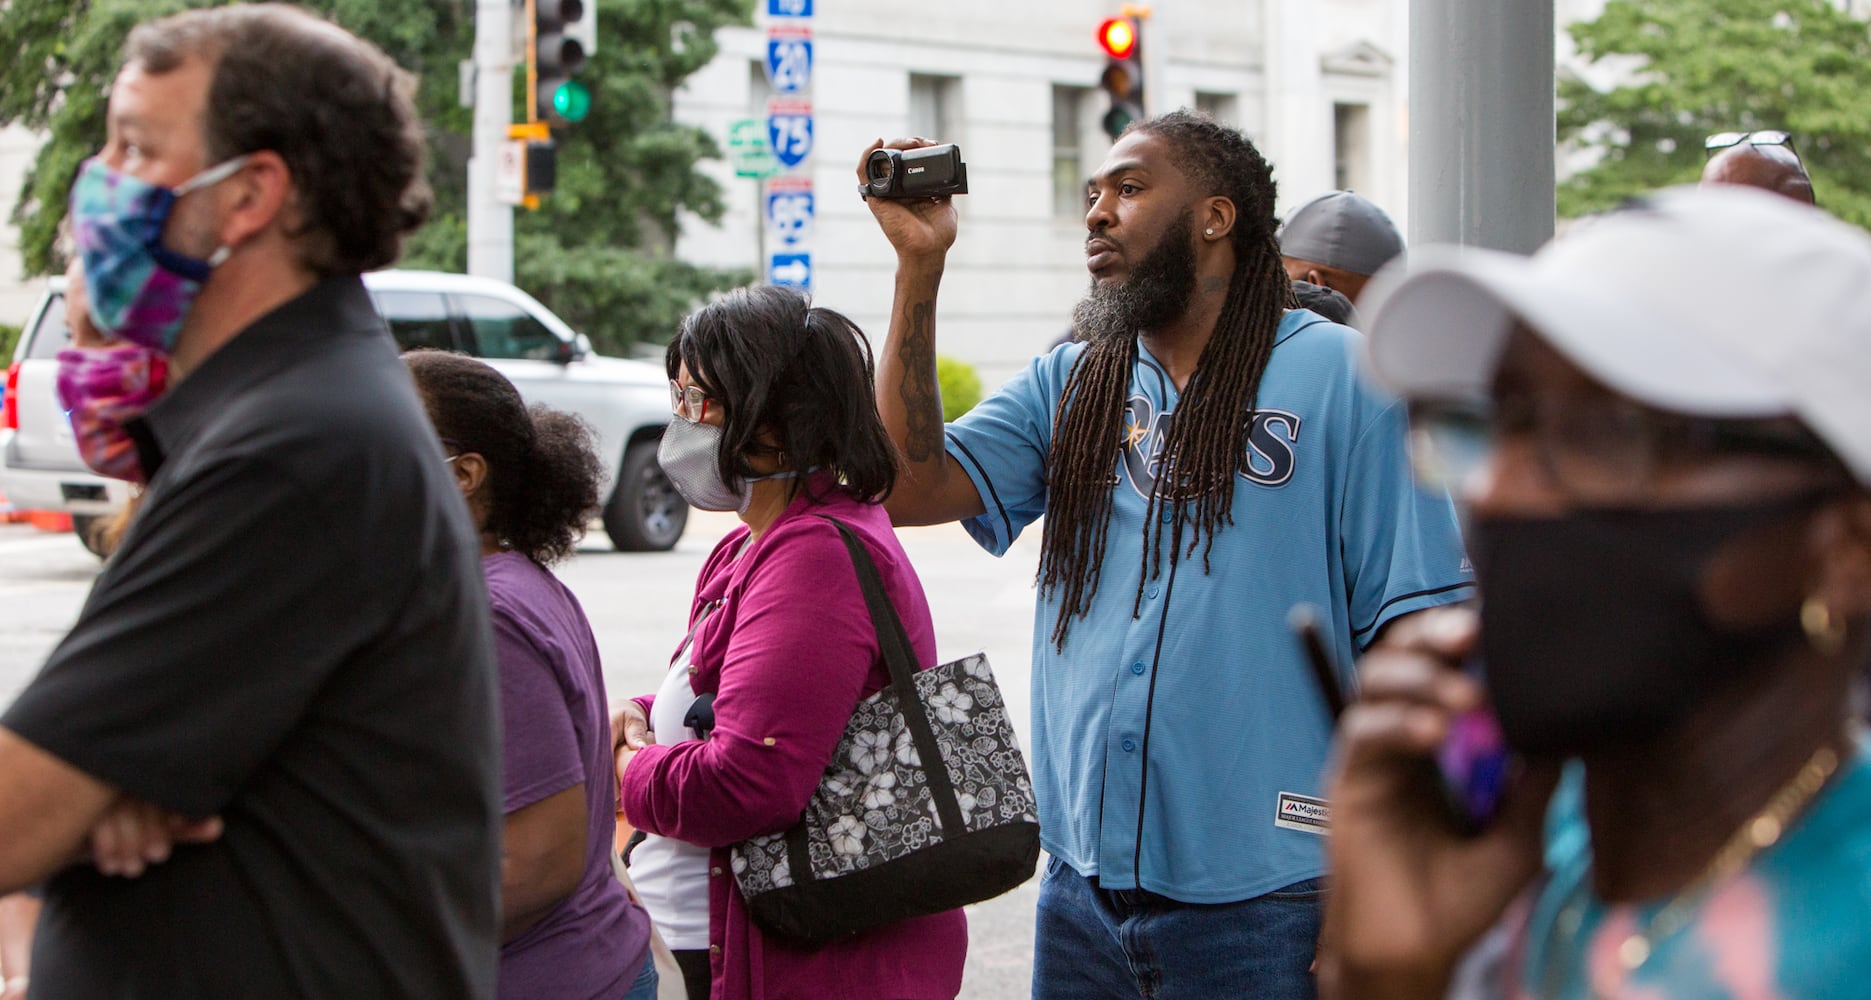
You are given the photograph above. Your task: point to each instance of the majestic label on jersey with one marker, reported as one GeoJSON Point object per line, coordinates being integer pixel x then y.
{"type": "Point", "coordinates": [1303, 813]}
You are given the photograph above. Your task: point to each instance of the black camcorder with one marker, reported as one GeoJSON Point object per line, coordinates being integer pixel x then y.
{"type": "Point", "coordinates": [928, 172]}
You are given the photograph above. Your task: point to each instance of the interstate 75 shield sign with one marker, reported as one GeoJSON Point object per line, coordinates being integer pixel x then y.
{"type": "Point", "coordinates": [789, 131]}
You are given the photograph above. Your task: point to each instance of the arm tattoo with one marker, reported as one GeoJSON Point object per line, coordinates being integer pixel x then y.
{"type": "Point", "coordinates": [922, 405]}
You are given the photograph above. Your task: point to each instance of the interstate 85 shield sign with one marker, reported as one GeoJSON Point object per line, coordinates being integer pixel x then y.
{"type": "Point", "coordinates": [789, 209]}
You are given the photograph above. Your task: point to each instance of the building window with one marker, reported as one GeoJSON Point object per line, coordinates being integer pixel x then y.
{"type": "Point", "coordinates": [935, 107]}
{"type": "Point", "coordinates": [1351, 146]}
{"type": "Point", "coordinates": [1068, 130]}
{"type": "Point", "coordinates": [1221, 107]}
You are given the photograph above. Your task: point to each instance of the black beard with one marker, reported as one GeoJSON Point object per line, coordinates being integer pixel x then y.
{"type": "Point", "coordinates": [1155, 295]}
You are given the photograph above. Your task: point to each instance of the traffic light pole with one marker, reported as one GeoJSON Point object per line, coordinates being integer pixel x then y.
{"type": "Point", "coordinates": [1153, 39]}
{"type": "Point", "coordinates": [1481, 123]}
{"type": "Point", "coordinates": [490, 223]}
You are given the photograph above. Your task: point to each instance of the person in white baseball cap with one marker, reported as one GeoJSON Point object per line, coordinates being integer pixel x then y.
{"type": "Point", "coordinates": [1661, 426]}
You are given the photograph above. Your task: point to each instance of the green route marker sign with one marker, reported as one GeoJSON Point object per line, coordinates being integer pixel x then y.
{"type": "Point", "coordinates": [747, 149]}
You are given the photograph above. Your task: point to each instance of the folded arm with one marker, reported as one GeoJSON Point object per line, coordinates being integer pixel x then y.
{"type": "Point", "coordinates": [51, 808]}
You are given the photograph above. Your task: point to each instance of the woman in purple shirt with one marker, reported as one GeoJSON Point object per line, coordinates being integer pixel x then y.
{"type": "Point", "coordinates": [569, 931]}
{"type": "Point", "coordinates": [775, 419]}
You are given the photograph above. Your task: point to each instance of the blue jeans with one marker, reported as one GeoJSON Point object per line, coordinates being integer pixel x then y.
{"type": "Point", "coordinates": [645, 986]}
{"type": "Point", "coordinates": [1099, 944]}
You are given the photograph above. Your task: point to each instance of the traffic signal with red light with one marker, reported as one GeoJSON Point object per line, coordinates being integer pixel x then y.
{"type": "Point", "coordinates": [1123, 72]}
{"type": "Point", "coordinates": [556, 53]}
{"type": "Point", "coordinates": [1118, 37]}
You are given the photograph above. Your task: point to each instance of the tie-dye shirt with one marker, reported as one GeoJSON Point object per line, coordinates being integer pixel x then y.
{"type": "Point", "coordinates": [1795, 925]}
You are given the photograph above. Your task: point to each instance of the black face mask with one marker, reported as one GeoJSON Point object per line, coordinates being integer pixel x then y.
{"type": "Point", "coordinates": [1592, 626]}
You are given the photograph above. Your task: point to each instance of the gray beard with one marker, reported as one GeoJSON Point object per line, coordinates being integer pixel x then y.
{"type": "Point", "coordinates": [1155, 295]}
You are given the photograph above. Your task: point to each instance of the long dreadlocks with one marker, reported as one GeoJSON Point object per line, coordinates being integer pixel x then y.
{"type": "Point", "coordinates": [1206, 441]}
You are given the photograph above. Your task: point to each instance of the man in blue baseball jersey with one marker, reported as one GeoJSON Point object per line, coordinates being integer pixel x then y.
{"type": "Point", "coordinates": [1206, 459]}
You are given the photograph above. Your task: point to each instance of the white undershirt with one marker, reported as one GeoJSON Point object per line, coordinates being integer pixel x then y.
{"type": "Point", "coordinates": [671, 875]}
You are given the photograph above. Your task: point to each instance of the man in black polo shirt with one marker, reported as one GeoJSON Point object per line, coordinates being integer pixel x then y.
{"type": "Point", "coordinates": [293, 636]}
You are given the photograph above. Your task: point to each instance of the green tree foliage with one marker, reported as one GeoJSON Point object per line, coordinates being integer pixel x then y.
{"type": "Point", "coordinates": [599, 250]}
{"type": "Point", "coordinates": [1696, 67]}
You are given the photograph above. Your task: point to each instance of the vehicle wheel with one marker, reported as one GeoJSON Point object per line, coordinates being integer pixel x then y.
{"type": "Point", "coordinates": [86, 527]}
{"type": "Point", "coordinates": [644, 513]}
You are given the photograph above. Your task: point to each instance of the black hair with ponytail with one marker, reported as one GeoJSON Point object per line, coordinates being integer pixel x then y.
{"type": "Point", "coordinates": [542, 471]}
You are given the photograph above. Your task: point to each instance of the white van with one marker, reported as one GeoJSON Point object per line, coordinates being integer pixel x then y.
{"type": "Point", "coordinates": [626, 402]}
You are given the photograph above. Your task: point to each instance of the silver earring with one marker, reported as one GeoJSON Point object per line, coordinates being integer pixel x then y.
{"type": "Point", "coordinates": [1210, 232]}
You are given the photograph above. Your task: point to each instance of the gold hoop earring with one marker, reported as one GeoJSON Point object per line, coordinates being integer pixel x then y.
{"type": "Point", "coordinates": [1826, 633]}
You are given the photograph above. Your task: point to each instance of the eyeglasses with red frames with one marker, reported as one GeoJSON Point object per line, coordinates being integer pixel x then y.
{"type": "Point", "coordinates": [688, 402]}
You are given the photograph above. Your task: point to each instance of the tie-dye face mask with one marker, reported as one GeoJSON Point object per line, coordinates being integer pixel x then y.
{"type": "Point", "coordinates": [101, 389]}
{"type": "Point", "coordinates": [139, 289]}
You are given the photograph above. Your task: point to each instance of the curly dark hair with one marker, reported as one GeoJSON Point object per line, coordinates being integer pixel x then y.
{"type": "Point", "coordinates": [542, 472]}
{"type": "Point", "coordinates": [777, 363]}
{"type": "Point", "coordinates": [334, 107]}
{"type": "Point", "coordinates": [1195, 492]}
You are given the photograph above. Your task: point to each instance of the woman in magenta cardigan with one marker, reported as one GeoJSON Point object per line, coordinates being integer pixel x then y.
{"type": "Point", "coordinates": [775, 419]}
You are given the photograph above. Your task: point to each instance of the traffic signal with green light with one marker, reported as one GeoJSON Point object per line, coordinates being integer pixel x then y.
{"type": "Point", "coordinates": [1123, 72]}
{"type": "Point", "coordinates": [557, 53]}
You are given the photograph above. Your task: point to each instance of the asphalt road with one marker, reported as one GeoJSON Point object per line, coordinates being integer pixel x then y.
{"type": "Point", "coordinates": [638, 605]}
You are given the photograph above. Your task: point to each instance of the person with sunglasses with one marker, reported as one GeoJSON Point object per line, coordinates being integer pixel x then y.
{"type": "Point", "coordinates": [775, 421]}
{"type": "Point", "coordinates": [1670, 519]}
{"type": "Point", "coordinates": [1764, 160]}
{"type": "Point", "coordinates": [530, 478]}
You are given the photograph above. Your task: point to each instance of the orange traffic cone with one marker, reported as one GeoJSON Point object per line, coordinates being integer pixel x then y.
{"type": "Point", "coordinates": [49, 520]}
{"type": "Point", "coordinates": [8, 515]}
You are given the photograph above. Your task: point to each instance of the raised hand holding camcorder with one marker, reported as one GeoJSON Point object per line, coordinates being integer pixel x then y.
{"type": "Point", "coordinates": [923, 172]}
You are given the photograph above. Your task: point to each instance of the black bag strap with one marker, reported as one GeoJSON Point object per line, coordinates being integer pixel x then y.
{"type": "Point", "coordinates": [900, 657]}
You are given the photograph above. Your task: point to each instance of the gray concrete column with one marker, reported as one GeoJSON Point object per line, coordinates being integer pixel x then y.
{"type": "Point", "coordinates": [490, 223]}
{"type": "Point", "coordinates": [1481, 123]}
{"type": "Point", "coordinates": [1297, 131]}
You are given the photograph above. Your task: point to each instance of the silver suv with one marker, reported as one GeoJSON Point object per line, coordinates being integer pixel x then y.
{"type": "Point", "coordinates": [626, 402]}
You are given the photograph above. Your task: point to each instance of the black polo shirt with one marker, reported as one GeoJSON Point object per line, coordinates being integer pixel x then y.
{"type": "Point", "coordinates": [294, 637]}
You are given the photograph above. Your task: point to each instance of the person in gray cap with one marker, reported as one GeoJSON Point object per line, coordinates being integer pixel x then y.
{"type": "Point", "coordinates": [1338, 240]}
{"type": "Point", "coordinates": [1670, 517]}
{"type": "Point", "coordinates": [1764, 160]}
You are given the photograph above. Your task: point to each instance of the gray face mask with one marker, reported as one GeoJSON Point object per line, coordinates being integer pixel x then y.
{"type": "Point", "coordinates": [689, 454]}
